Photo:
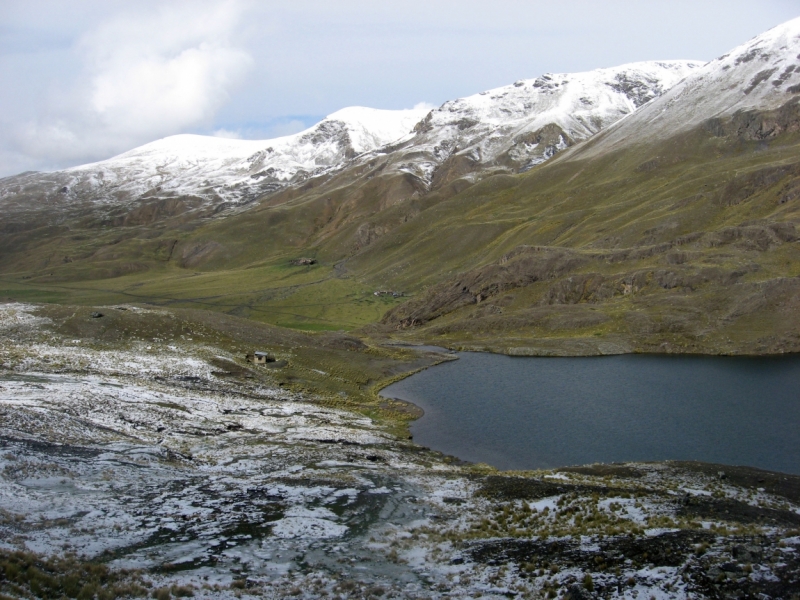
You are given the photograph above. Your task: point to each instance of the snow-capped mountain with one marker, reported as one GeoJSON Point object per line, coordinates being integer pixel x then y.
{"type": "Point", "coordinates": [761, 74]}
{"type": "Point", "coordinates": [518, 126]}
{"type": "Point", "coordinates": [230, 170]}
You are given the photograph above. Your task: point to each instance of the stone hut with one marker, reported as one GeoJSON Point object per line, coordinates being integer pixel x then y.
{"type": "Point", "coordinates": [262, 358]}
{"type": "Point", "coordinates": [259, 357]}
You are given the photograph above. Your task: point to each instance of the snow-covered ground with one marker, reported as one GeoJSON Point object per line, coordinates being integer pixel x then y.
{"type": "Point", "coordinates": [186, 164]}
{"type": "Point", "coordinates": [139, 456]}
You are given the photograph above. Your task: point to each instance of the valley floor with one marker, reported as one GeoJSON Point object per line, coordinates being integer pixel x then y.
{"type": "Point", "coordinates": [146, 470]}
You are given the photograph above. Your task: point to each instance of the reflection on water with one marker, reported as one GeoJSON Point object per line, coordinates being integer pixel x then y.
{"type": "Point", "coordinates": [526, 413]}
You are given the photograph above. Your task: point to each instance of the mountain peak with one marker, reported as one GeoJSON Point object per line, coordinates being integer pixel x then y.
{"type": "Point", "coordinates": [518, 126]}
{"type": "Point", "coordinates": [371, 128]}
{"type": "Point", "coordinates": [761, 74]}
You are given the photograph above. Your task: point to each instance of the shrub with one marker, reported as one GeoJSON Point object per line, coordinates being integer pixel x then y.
{"type": "Point", "coordinates": [182, 591]}
{"type": "Point", "coordinates": [587, 582]}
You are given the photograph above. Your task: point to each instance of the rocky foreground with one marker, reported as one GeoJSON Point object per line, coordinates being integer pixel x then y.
{"type": "Point", "coordinates": [141, 469]}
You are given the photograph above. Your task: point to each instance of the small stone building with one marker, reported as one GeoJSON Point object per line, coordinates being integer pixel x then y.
{"type": "Point", "coordinates": [262, 358]}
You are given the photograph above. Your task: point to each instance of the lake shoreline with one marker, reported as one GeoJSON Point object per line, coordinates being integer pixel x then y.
{"type": "Point", "coordinates": [212, 477]}
{"type": "Point", "coordinates": [718, 438]}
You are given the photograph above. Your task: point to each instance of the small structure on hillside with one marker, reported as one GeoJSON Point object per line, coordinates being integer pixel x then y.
{"type": "Point", "coordinates": [260, 357]}
{"type": "Point", "coordinates": [391, 293]}
{"type": "Point", "coordinates": [299, 262]}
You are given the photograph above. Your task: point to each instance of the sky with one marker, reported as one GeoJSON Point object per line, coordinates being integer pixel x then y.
{"type": "Point", "coordinates": [84, 80]}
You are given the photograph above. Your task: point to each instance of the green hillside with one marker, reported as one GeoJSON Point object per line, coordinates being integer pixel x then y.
{"type": "Point", "coordinates": [687, 244]}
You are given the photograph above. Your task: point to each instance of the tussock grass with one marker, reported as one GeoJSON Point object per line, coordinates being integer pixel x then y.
{"type": "Point", "coordinates": [27, 575]}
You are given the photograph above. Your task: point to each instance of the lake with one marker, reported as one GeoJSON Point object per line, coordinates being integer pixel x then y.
{"type": "Point", "coordinates": [532, 412]}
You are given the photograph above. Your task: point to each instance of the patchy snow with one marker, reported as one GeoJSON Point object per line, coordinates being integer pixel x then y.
{"type": "Point", "coordinates": [302, 522]}
{"type": "Point", "coordinates": [695, 491]}
{"type": "Point", "coordinates": [545, 503]}
{"type": "Point", "coordinates": [625, 508]}
{"type": "Point", "coordinates": [16, 315]}
{"type": "Point", "coordinates": [211, 485]}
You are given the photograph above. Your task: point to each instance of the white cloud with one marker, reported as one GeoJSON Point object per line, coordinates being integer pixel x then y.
{"type": "Point", "coordinates": [146, 76]}
{"type": "Point", "coordinates": [160, 93]}
{"type": "Point", "coordinates": [165, 72]}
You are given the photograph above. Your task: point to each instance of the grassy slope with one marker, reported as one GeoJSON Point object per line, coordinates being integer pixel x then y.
{"type": "Point", "coordinates": [630, 217]}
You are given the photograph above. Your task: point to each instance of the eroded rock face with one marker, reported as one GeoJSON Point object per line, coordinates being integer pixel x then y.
{"type": "Point", "coordinates": [520, 268]}
{"type": "Point", "coordinates": [197, 253]}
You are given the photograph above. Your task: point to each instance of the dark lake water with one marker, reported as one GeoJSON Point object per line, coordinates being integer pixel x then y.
{"type": "Point", "coordinates": [528, 413]}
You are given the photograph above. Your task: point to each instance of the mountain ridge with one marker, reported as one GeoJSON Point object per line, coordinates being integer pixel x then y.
{"type": "Point", "coordinates": [681, 242]}
{"type": "Point", "coordinates": [236, 172]}
{"type": "Point", "coordinates": [768, 65]}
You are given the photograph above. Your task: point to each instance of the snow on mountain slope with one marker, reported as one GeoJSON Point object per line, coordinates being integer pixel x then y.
{"type": "Point", "coordinates": [762, 74]}
{"type": "Point", "coordinates": [229, 170]}
{"type": "Point", "coordinates": [513, 128]}
{"type": "Point", "coordinates": [518, 126]}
